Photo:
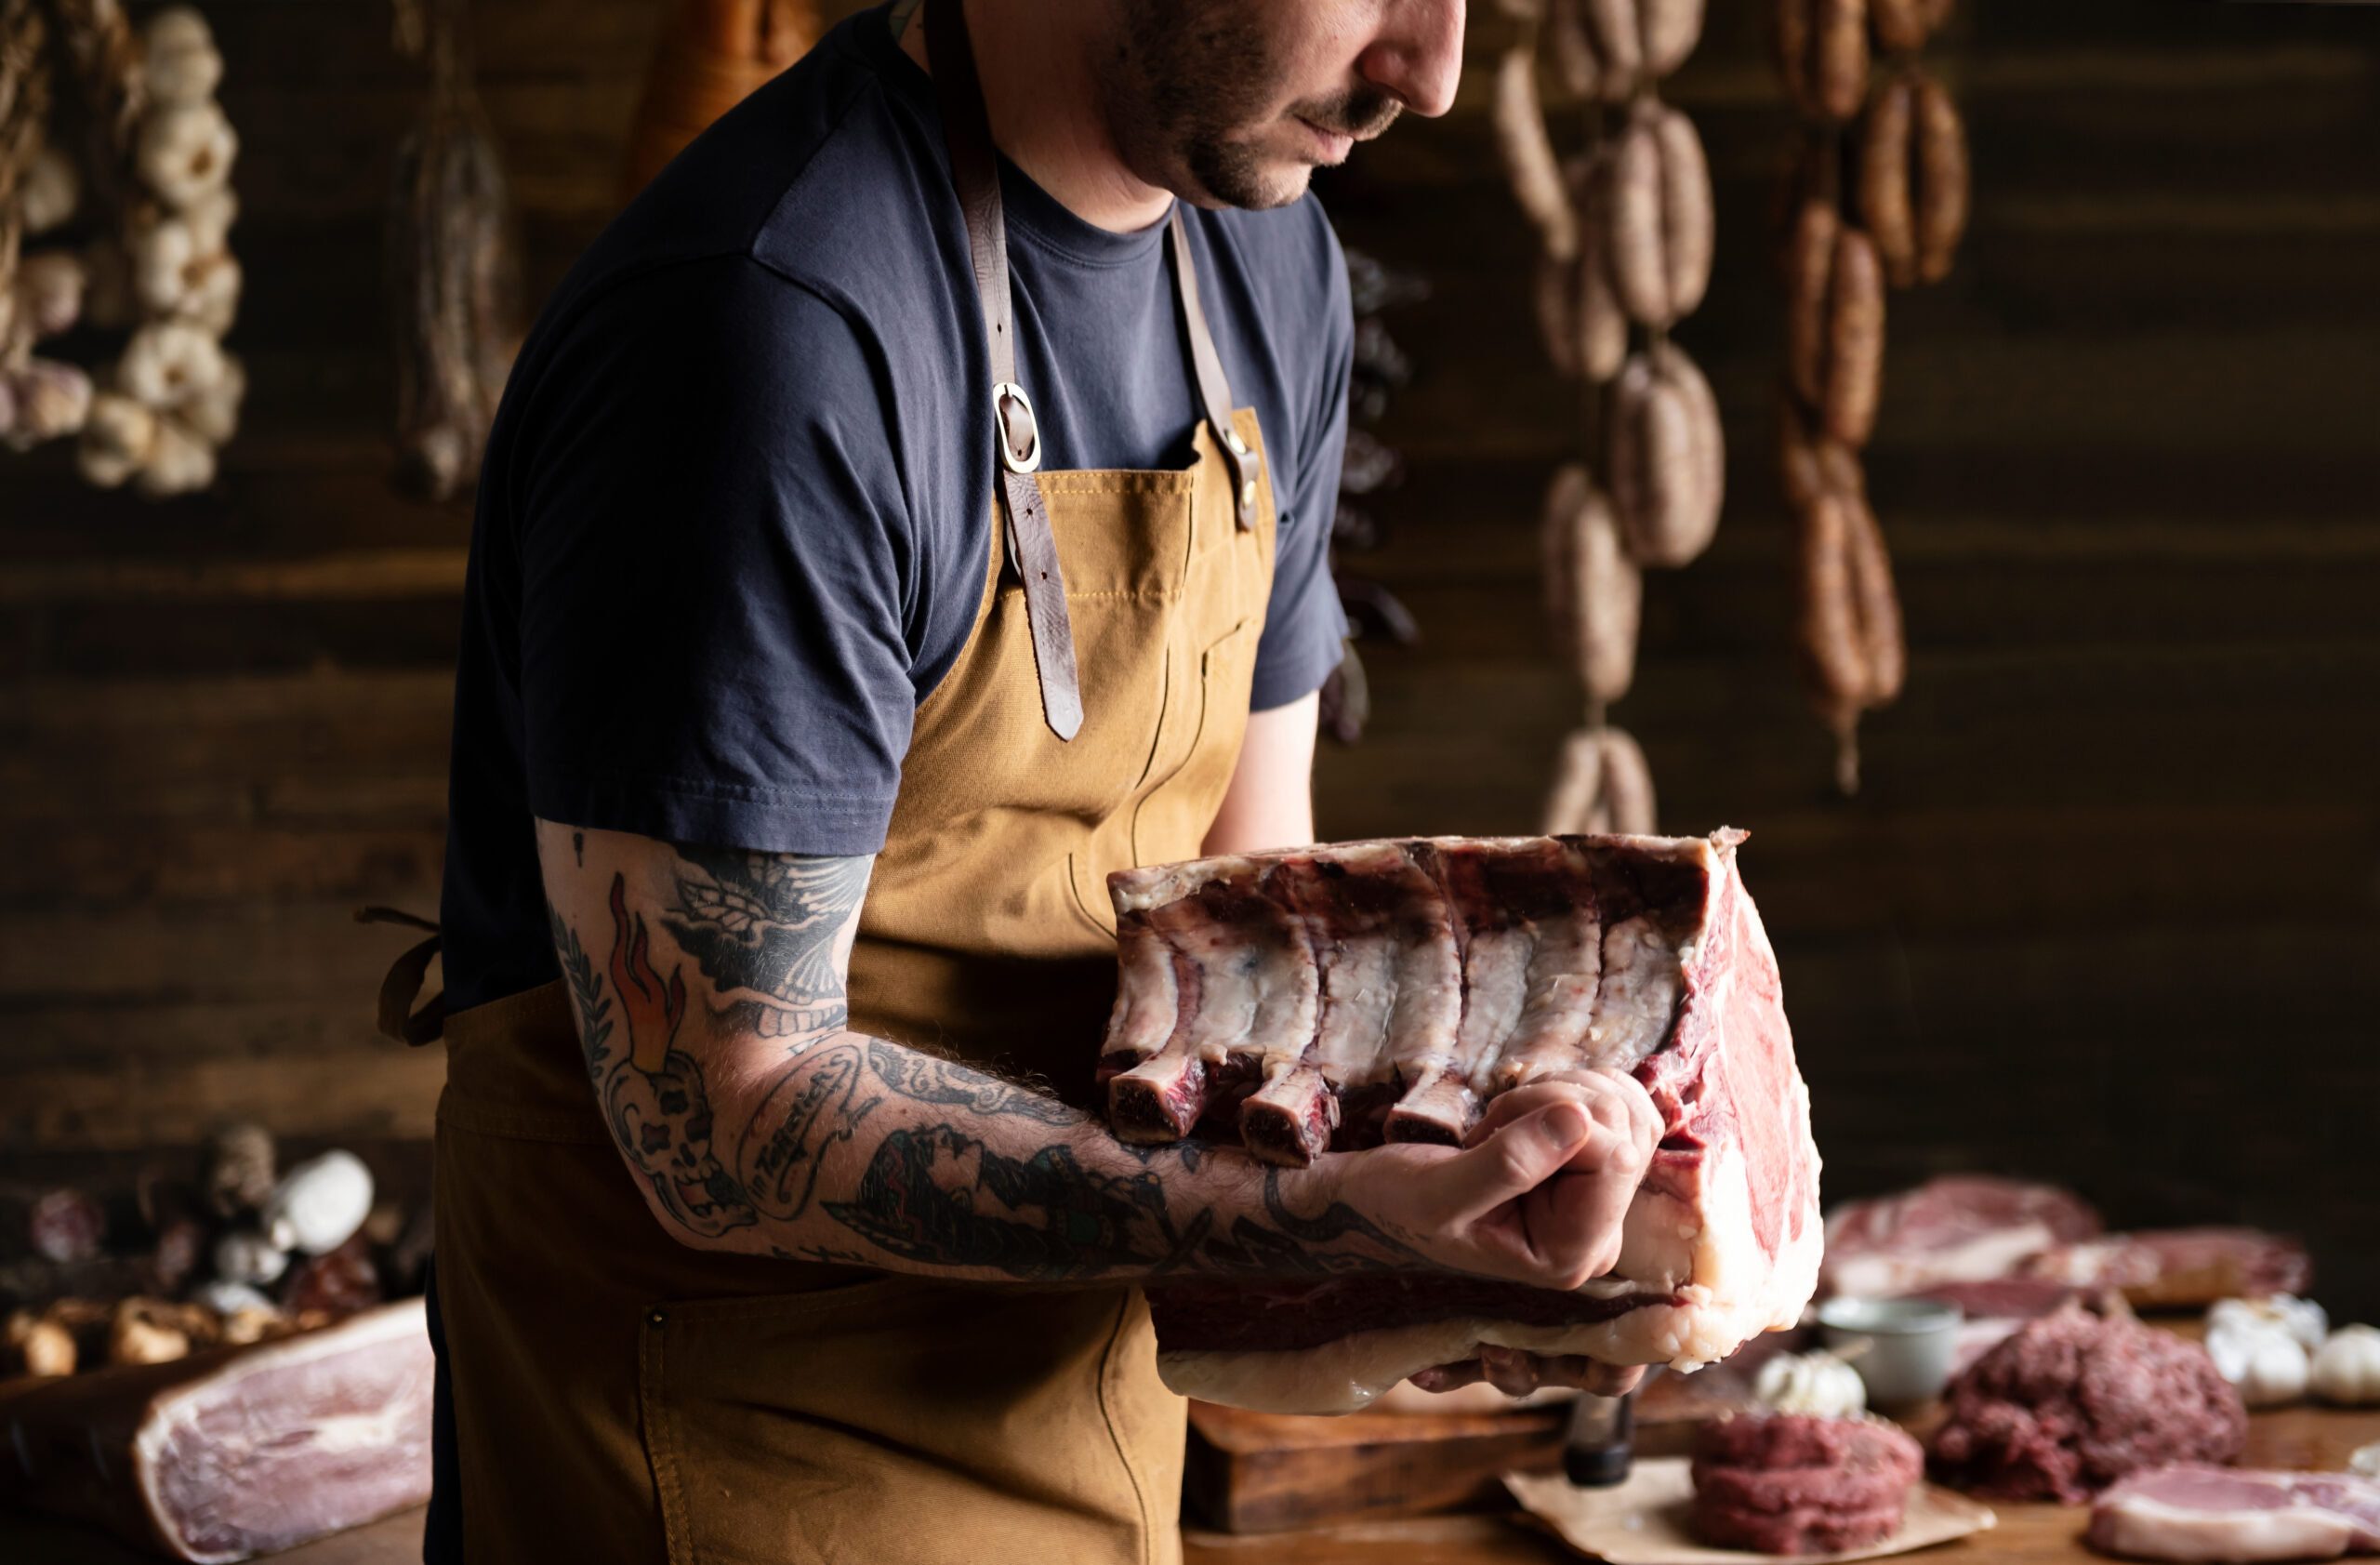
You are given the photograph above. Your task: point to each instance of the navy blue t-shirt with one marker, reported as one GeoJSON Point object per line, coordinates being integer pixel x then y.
{"type": "Point", "coordinates": [733, 516]}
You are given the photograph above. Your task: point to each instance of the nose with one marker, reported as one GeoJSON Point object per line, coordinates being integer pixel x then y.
{"type": "Point", "coordinates": [1418, 56]}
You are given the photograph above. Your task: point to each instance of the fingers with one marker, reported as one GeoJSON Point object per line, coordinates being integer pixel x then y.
{"type": "Point", "coordinates": [1618, 1104]}
{"type": "Point", "coordinates": [1446, 1377]}
{"type": "Point", "coordinates": [1591, 1375]}
{"type": "Point", "coordinates": [1509, 1370]}
{"type": "Point", "coordinates": [1523, 1154]}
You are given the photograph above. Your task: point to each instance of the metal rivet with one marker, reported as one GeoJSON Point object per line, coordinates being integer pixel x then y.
{"type": "Point", "coordinates": [660, 1318]}
{"type": "Point", "coordinates": [1248, 495]}
{"type": "Point", "coordinates": [1239, 447]}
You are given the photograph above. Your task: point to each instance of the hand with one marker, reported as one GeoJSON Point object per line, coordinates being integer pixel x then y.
{"type": "Point", "coordinates": [1516, 1373]}
{"type": "Point", "coordinates": [1537, 1194]}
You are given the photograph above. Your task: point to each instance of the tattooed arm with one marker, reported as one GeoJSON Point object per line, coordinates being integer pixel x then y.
{"type": "Point", "coordinates": [708, 988]}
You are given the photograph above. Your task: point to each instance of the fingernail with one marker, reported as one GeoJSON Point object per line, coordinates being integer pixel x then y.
{"type": "Point", "coordinates": [1566, 1125]}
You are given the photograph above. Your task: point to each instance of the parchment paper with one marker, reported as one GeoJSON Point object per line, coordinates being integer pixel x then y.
{"type": "Point", "coordinates": [1644, 1521]}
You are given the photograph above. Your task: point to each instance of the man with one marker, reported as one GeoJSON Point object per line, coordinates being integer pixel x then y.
{"type": "Point", "coordinates": [882, 540]}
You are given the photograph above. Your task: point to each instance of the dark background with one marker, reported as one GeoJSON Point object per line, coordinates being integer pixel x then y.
{"type": "Point", "coordinates": [2108, 910]}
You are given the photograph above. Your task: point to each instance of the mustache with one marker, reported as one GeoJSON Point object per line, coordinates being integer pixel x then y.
{"type": "Point", "coordinates": [1361, 111]}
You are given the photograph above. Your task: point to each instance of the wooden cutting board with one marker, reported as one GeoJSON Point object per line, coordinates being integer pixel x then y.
{"type": "Point", "coordinates": [1263, 1472]}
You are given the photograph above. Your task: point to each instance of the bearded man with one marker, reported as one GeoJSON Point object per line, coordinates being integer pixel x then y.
{"type": "Point", "coordinates": [910, 511]}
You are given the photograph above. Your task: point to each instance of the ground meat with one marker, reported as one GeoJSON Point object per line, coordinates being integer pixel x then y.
{"type": "Point", "coordinates": [1793, 1484]}
{"type": "Point", "coordinates": [2074, 1402]}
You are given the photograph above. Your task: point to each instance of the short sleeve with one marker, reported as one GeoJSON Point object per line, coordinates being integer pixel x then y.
{"type": "Point", "coordinates": [718, 591]}
{"type": "Point", "coordinates": [1304, 628]}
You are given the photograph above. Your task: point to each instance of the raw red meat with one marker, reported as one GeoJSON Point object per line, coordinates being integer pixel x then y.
{"type": "Point", "coordinates": [1339, 996]}
{"type": "Point", "coordinates": [1965, 1228]}
{"type": "Point", "coordinates": [2182, 1266]}
{"type": "Point", "coordinates": [2074, 1402]}
{"type": "Point", "coordinates": [234, 1452]}
{"type": "Point", "coordinates": [1793, 1484]}
{"type": "Point", "coordinates": [2191, 1512]}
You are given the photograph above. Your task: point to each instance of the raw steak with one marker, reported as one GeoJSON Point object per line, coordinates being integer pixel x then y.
{"type": "Point", "coordinates": [2192, 1512]}
{"type": "Point", "coordinates": [1794, 1484]}
{"type": "Point", "coordinates": [1965, 1228]}
{"type": "Point", "coordinates": [1335, 997]}
{"type": "Point", "coordinates": [2074, 1402]}
{"type": "Point", "coordinates": [2173, 1266]}
{"type": "Point", "coordinates": [235, 1452]}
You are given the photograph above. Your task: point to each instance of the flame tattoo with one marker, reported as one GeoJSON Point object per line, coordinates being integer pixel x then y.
{"type": "Point", "coordinates": [651, 1010]}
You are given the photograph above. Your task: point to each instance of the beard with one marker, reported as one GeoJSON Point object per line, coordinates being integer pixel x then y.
{"type": "Point", "coordinates": [1195, 94]}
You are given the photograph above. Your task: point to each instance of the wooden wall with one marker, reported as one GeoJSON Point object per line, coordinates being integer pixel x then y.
{"type": "Point", "coordinates": [2106, 911]}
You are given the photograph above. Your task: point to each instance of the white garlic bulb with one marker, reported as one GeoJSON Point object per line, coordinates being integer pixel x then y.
{"type": "Point", "coordinates": [117, 439]}
{"type": "Point", "coordinates": [244, 1256]}
{"type": "Point", "coordinates": [167, 361]}
{"type": "Point", "coordinates": [2347, 1370]}
{"type": "Point", "coordinates": [49, 291]}
{"type": "Point", "coordinates": [230, 1298]}
{"type": "Point", "coordinates": [180, 65]}
{"type": "Point", "coordinates": [210, 219]}
{"type": "Point", "coordinates": [319, 1204]}
{"type": "Point", "coordinates": [1818, 1384]}
{"type": "Point", "coordinates": [52, 399]}
{"type": "Point", "coordinates": [163, 257]}
{"type": "Point", "coordinates": [2259, 1349]}
{"type": "Point", "coordinates": [50, 192]}
{"type": "Point", "coordinates": [213, 303]}
{"type": "Point", "coordinates": [213, 415]}
{"type": "Point", "coordinates": [186, 153]}
{"type": "Point", "coordinates": [179, 463]}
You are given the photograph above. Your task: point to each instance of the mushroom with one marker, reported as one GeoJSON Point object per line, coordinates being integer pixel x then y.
{"type": "Point", "coordinates": [319, 1204]}
{"type": "Point", "coordinates": [213, 415]}
{"type": "Point", "coordinates": [143, 1334]}
{"type": "Point", "coordinates": [239, 1167]}
{"type": "Point", "coordinates": [180, 463]}
{"type": "Point", "coordinates": [41, 1346]}
{"type": "Point", "coordinates": [117, 440]}
{"type": "Point", "coordinates": [245, 1256]}
{"type": "Point", "coordinates": [185, 153]}
{"type": "Point", "coordinates": [167, 361]}
{"type": "Point", "coordinates": [50, 191]}
{"type": "Point", "coordinates": [180, 65]}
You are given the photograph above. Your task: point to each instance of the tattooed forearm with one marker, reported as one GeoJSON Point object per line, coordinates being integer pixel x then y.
{"type": "Point", "coordinates": [712, 1019]}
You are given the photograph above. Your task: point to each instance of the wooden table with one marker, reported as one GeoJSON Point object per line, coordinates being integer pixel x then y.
{"type": "Point", "coordinates": [2314, 1439]}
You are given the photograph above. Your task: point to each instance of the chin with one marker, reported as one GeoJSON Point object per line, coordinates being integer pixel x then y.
{"type": "Point", "coordinates": [1255, 182]}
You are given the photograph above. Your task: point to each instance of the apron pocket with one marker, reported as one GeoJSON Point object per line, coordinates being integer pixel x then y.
{"type": "Point", "coordinates": [1172, 821]}
{"type": "Point", "coordinates": [903, 1419]}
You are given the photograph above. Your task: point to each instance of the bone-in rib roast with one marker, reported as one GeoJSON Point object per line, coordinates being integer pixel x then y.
{"type": "Point", "coordinates": [1335, 997]}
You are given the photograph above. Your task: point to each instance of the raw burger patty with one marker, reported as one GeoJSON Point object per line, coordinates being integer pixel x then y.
{"type": "Point", "coordinates": [1793, 1484]}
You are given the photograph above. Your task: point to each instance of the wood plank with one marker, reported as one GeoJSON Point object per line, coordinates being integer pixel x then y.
{"type": "Point", "coordinates": [342, 576]}
{"type": "Point", "coordinates": [386, 1093]}
{"type": "Point", "coordinates": [216, 952]}
{"type": "Point", "coordinates": [93, 863]}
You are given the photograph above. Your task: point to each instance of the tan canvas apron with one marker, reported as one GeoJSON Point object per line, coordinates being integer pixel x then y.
{"type": "Point", "coordinates": [622, 1397]}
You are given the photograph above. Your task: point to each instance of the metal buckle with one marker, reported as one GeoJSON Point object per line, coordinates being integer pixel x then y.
{"type": "Point", "coordinates": [1005, 396]}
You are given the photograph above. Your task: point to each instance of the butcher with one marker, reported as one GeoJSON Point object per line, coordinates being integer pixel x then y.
{"type": "Point", "coordinates": [909, 511]}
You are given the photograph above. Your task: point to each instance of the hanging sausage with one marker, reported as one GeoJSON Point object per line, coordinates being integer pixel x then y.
{"type": "Point", "coordinates": [1898, 153]}
{"type": "Point", "coordinates": [1625, 237]}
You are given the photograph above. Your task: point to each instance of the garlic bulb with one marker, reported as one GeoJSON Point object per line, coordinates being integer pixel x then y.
{"type": "Point", "coordinates": [2366, 1461]}
{"type": "Point", "coordinates": [319, 1204]}
{"type": "Point", "coordinates": [180, 66]}
{"type": "Point", "coordinates": [210, 219]}
{"type": "Point", "coordinates": [186, 153]}
{"type": "Point", "coordinates": [117, 440]}
{"type": "Point", "coordinates": [178, 270]}
{"type": "Point", "coordinates": [179, 463]}
{"type": "Point", "coordinates": [49, 291]}
{"type": "Point", "coordinates": [244, 1256]}
{"type": "Point", "coordinates": [2304, 1320]}
{"type": "Point", "coordinates": [213, 415]}
{"type": "Point", "coordinates": [2347, 1369]}
{"type": "Point", "coordinates": [166, 363]}
{"type": "Point", "coordinates": [229, 1298]}
{"type": "Point", "coordinates": [50, 192]}
{"type": "Point", "coordinates": [2260, 1349]}
{"type": "Point", "coordinates": [1818, 1384]}
{"type": "Point", "coordinates": [213, 303]}
{"type": "Point", "coordinates": [52, 399]}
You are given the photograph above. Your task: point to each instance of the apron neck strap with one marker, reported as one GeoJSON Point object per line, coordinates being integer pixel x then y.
{"type": "Point", "coordinates": [1032, 548]}
{"type": "Point", "coordinates": [974, 169]}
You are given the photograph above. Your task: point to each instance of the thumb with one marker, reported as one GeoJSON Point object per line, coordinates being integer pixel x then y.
{"type": "Point", "coordinates": [1516, 1159]}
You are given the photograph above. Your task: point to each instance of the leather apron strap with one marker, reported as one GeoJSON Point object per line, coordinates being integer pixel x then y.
{"type": "Point", "coordinates": [1032, 547]}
